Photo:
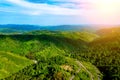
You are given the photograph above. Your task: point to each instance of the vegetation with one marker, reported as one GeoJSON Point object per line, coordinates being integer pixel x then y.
{"type": "Point", "coordinates": [104, 53]}
{"type": "Point", "coordinates": [64, 55]}
{"type": "Point", "coordinates": [11, 63]}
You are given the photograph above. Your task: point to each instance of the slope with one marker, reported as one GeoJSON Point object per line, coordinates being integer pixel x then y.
{"type": "Point", "coordinates": [10, 64]}
{"type": "Point", "coordinates": [103, 52]}
{"type": "Point", "coordinates": [52, 53]}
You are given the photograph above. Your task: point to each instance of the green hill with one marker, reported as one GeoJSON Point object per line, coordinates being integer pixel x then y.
{"type": "Point", "coordinates": [82, 35]}
{"type": "Point", "coordinates": [10, 64]}
{"type": "Point", "coordinates": [52, 53]}
{"type": "Point", "coordinates": [104, 53]}
{"type": "Point", "coordinates": [65, 55]}
{"type": "Point", "coordinates": [108, 31]}
{"type": "Point", "coordinates": [108, 48]}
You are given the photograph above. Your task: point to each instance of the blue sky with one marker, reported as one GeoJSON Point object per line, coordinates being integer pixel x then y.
{"type": "Point", "coordinates": [43, 12]}
{"type": "Point", "coordinates": [60, 12]}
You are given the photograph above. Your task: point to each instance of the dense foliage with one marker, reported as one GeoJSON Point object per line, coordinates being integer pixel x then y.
{"type": "Point", "coordinates": [59, 55]}
{"type": "Point", "coordinates": [104, 53]}
{"type": "Point", "coordinates": [11, 63]}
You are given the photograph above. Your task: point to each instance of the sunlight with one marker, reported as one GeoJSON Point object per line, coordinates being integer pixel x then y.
{"type": "Point", "coordinates": [107, 6]}
{"type": "Point", "coordinates": [104, 12]}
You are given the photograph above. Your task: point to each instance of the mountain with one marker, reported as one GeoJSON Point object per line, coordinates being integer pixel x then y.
{"type": "Point", "coordinates": [52, 52]}
{"type": "Point", "coordinates": [15, 28]}
{"type": "Point", "coordinates": [65, 55]}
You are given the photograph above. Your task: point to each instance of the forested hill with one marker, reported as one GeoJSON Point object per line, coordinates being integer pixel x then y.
{"type": "Point", "coordinates": [65, 55]}
{"type": "Point", "coordinates": [52, 52]}
{"type": "Point", "coordinates": [109, 31]}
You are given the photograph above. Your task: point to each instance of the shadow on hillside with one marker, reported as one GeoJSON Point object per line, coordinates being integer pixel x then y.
{"type": "Point", "coordinates": [57, 40]}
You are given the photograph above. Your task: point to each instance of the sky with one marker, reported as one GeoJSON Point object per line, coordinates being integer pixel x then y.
{"type": "Point", "coordinates": [60, 12]}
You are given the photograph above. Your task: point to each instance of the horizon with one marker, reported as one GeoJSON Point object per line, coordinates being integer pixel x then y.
{"type": "Point", "coordinates": [60, 12]}
{"type": "Point", "coordinates": [83, 25]}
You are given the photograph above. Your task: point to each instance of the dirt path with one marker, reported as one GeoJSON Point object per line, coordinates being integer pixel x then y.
{"type": "Point", "coordinates": [81, 65]}
{"type": "Point", "coordinates": [90, 74]}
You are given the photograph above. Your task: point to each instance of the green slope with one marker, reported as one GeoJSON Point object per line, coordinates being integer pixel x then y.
{"type": "Point", "coordinates": [83, 35]}
{"type": "Point", "coordinates": [108, 48]}
{"type": "Point", "coordinates": [52, 64]}
{"type": "Point", "coordinates": [53, 52]}
{"type": "Point", "coordinates": [10, 63]}
{"type": "Point", "coordinates": [104, 53]}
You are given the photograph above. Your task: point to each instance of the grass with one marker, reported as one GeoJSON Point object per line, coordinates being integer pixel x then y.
{"type": "Point", "coordinates": [10, 63]}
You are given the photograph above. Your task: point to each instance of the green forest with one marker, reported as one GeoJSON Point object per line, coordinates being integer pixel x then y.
{"type": "Point", "coordinates": [60, 55]}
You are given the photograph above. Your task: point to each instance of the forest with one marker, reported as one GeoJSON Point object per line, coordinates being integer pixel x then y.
{"type": "Point", "coordinates": [60, 55]}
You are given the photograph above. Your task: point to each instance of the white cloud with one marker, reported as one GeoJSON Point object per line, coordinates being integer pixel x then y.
{"type": "Point", "coordinates": [45, 8]}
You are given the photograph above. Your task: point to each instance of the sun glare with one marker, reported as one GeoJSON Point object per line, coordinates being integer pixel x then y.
{"type": "Point", "coordinates": [103, 12]}
{"type": "Point", "coordinates": [107, 6]}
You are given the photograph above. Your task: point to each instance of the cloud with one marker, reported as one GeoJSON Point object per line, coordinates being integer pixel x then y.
{"type": "Point", "coordinates": [93, 11]}
{"type": "Point", "coordinates": [41, 8]}
{"type": "Point", "coordinates": [55, 7]}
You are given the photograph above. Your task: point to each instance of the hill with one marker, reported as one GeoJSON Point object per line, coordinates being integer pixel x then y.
{"type": "Point", "coordinates": [65, 55]}
{"type": "Point", "coordinates": [10, 63]}
{"type": "Point", "coordinates": [108, 31]}
{"type": "Point", "coordinates": [104, 52]}
{"type": "Point", "coordinates": [52, 54]}
{"type": "Point", "coordinates": [76, 35]}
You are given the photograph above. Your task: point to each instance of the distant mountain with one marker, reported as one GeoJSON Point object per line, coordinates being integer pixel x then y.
{"type": "Point", "coordinates": [15, 28]}
{"type": "Point", "coordinates": [10, 28]}
{"type": "Point", "coordinates": [67, 27]}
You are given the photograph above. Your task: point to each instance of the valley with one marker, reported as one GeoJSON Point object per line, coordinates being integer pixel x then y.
{"type": "Point", "coordinates": [60, 55]}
